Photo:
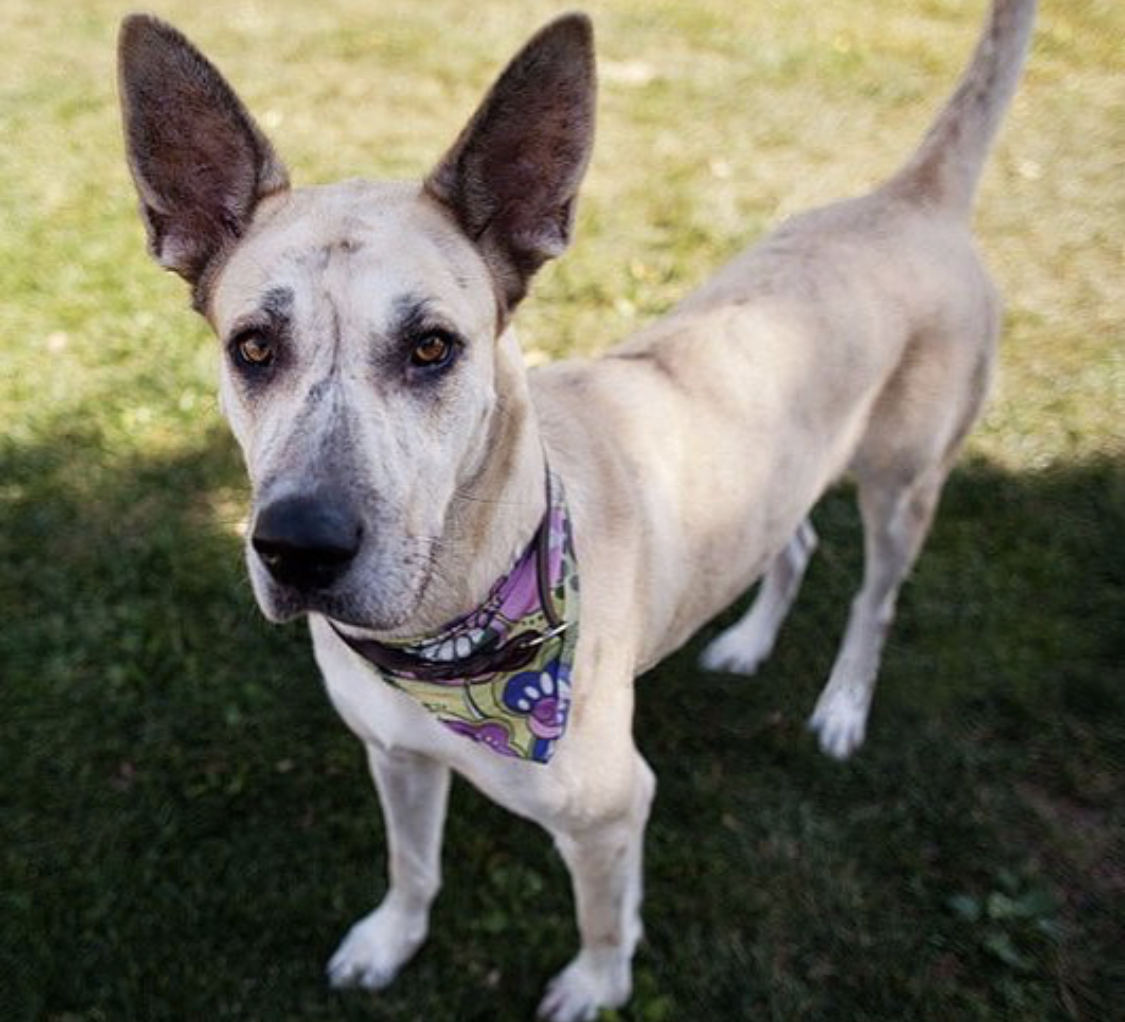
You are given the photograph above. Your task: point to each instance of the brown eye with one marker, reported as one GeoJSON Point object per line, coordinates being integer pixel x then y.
{"type": "Point", "coordinates": [255, 350]}
{"type": "Point", "coordinates": [431, 351]}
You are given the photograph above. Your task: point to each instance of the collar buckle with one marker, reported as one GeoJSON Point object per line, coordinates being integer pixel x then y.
{"type": "Point", "coordinates": [534, 639]}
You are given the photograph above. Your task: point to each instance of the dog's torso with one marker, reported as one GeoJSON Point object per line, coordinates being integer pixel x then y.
{"type": "Point", "coordinates": [716, 429]}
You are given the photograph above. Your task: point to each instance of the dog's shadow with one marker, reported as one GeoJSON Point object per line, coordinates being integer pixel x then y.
{"type": "Point", "coordinates": [188, 829]}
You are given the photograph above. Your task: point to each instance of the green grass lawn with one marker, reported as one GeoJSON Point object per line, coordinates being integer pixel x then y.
{"type": "Point", "coordinates": [185, 828]}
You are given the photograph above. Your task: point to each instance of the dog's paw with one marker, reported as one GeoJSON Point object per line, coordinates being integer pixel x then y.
{"type": "Point", "coordinates": [593, 981]}
{"type": "Point", "coordinates": [374, 950]}
{"type": "Point", "coordinates": [839, 725]}
{"type": "Point", "coordinates": [739, 650]}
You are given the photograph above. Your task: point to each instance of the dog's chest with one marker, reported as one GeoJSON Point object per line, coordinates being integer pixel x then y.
{"type": "Point", "coordinates": [388, 719]}
{"type": "Point", "coordinates": [372, 709]}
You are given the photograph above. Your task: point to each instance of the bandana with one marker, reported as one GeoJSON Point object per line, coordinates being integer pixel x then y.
{"type": "Point", "coordinates": [500, 675]}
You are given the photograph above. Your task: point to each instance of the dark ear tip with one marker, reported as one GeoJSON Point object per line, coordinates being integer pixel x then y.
{"type": "Point", "coordinates": [138, 29]}
{"type": "Point", "coordinates": [574, 30]}
{"type": "Point", "coordinates": [577, 23]}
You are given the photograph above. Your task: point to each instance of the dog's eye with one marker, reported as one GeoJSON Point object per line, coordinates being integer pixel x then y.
{"type": "Point", "coordinates": [431, 351]}
{"type": "Point", "coordinates": [254, 349]}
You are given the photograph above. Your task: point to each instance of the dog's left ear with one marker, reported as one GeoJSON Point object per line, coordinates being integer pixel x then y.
{"type": "Point", "coordinates": [511, 179]}
{"type": "Point", "coordinates": [200, 163]}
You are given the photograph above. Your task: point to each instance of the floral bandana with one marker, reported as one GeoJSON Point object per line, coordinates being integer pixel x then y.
{"type": "Point", "coordinates": [500, 675]}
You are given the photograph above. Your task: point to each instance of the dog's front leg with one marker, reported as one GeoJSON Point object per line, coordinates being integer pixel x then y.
{"type": "Point", "coordinates": [604, 858]}
{"type": "Point", "coordinates": [414, 792]}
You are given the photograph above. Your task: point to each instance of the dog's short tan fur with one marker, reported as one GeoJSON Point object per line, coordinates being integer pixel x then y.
{"type": "Point", "coordinates": [858, 337]}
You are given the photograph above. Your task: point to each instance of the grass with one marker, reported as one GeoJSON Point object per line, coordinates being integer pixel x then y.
{"type": "Point", "coordinates": [186, 829]}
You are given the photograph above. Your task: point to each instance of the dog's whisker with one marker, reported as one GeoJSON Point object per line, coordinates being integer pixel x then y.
{"type": "Point", "coordinates": [471, 498]}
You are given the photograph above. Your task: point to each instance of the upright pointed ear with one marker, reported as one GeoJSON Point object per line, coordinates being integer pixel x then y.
{"type": "Point", "coordinates": [511, 179]}
{"type": "Point", "coordinates": [200, 163]}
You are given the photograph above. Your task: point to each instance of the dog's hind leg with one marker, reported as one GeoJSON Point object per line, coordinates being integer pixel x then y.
{"type": "Point", "coordinates": [413, 791]}
{"type": "Point", "coordinates": [743, 647]}
{"type": "Point", "coordinates": [895, 522]}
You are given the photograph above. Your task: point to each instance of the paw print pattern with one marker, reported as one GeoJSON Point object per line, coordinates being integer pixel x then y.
{"type": "Point", "coordinates": [543, 697]}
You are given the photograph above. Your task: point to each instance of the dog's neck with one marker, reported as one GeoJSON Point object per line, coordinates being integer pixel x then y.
{"type": "Point", "coordinates": [497, 506]}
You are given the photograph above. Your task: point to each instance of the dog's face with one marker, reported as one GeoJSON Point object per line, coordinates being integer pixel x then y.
{"type": "Point", "coordinates": [359, 322]}
{"type": "Point", "coordinates": [359, 378]}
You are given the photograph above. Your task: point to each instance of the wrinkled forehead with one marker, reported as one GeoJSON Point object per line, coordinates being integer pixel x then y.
{"type": "Point", "coordinates": [367, 245]}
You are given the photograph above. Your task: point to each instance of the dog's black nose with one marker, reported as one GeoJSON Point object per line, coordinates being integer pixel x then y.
{"type": "Point", "coordinates": [307, 542]}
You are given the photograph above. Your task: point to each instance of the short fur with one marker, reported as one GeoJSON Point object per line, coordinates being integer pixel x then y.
{"type": "Point", "coordinates": [859, 337]}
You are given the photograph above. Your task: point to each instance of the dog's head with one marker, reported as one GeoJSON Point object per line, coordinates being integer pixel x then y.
{"type": "Point", "coordinates": [360, 322]}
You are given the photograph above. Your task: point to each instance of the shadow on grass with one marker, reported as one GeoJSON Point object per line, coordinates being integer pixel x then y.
{"type": "Point", "coordinates": [187, 829]}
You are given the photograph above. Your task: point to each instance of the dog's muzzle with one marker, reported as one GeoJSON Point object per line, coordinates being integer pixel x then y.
{"type": "Point", "coordinates": [307, 542]}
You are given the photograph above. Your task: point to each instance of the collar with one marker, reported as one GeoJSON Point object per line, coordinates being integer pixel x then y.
{"type": "Point", "coordinates": [500, 675]}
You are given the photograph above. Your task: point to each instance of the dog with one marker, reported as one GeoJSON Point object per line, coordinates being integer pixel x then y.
{"type": "Point", "coordinates": [488, 557]}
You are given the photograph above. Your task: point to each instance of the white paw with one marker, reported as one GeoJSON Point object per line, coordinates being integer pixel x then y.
{"type": "Point", "coordinates": [374, 950]}
{"type": "Point", "coordinates": [839, 723]}
{"type": "Point", "coordinates": [738, 651]}
{"type": "Point", "coordinates": [594, 980]}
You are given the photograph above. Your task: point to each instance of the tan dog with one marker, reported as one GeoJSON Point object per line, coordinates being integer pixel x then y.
{"type": "Point", "coordinates": [397, 447]}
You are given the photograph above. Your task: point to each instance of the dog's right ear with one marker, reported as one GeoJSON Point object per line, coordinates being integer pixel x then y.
{"type": "Point", "coordinates": [200, 163]}
{"type": "Point", "coordinates": [511, 179]}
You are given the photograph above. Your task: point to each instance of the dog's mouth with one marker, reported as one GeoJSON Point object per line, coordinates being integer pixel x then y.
{"type": "Point", "coordinates": [375, 599]}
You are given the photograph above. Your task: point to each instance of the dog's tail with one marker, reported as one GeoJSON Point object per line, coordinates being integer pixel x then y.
{"type": "Point", "coordinates": [947, 165]}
